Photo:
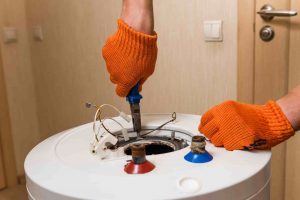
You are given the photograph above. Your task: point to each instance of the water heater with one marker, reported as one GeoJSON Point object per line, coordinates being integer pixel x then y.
{"type": "Point", "coordinates": [68, 166]}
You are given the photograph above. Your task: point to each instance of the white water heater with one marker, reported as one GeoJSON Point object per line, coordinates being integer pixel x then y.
{"type": "Point", "coordinates": [63, 167]}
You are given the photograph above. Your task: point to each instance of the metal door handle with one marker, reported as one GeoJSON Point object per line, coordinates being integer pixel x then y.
{"type": "Point", "coordinates": [267, 12]}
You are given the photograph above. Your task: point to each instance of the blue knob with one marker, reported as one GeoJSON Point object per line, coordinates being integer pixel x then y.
{"type": "Point", "coordinates": [134, 95]}
{"type": "Point", "coordinates": [198, 157]}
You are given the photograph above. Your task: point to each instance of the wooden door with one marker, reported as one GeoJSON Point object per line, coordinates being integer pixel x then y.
{"type": "Point", "coordinates": [266, 71]}
{"type": "Point", "coordinates": [7, 157]}
{"type": "Point", "coordinates": [273, 75]}
{"type": "Point", "coordinates": [2, 174]}
{"type": "Point", "coordinates": [271, 79]}
{"type": "Point", "coordinates": [292, 186]}
{"type": "Point", "coordinates": [2, 177]}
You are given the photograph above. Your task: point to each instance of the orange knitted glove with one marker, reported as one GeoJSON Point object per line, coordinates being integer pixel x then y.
{"type": "Point", "coordinates": [130, 57]}
{"type": "Point", "coordinates": [243, 126]}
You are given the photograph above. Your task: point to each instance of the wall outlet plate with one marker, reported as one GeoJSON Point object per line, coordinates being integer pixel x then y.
{"type": "Point", "coordinates": [213, 31]}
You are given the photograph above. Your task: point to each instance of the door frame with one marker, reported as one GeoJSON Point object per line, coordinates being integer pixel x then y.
{"type": "Point", "coordinates": [2, 174]}
{"type": "Point", "coordinates": [246, 82]}
{"type": "Point", "coordinates": [246, 51]}
{"type": "Point", "coordinates": [6, 140]}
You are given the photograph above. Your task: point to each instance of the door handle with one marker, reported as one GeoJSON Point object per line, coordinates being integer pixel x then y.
{"type": "Point", "coordinates": [267, 12]}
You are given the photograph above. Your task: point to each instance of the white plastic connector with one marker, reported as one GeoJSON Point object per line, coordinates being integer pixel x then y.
{"type": "Point", "coordinates": [100, 149]}
{"type": "Point", "coordinates": [125, 117]}
{"type": "Point", "coordinates": [125, 134]}
{"type": "Point", "coordinates": [108, 138]}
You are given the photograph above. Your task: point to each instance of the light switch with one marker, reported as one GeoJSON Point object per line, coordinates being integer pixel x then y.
{"type": "Point", "coordinates": [213, 31]}
{"type": "Point", "coordinates": [10, 34]}
{"type": "Point", "coordinates": [38, 33]}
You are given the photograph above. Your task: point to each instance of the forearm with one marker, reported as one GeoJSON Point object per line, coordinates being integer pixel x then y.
{"type": "Point", "coordinates": [138, 14]}
{"type": "Point", "coordinates": [290, 105]}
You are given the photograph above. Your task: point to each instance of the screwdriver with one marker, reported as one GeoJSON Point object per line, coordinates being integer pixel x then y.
{"type": "Point", "coordinates": [134, 99]}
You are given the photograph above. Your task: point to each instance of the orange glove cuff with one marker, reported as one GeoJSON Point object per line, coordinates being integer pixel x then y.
{"type": "Point", "coordinates": [127, 37]}
{"type": "Point", "coordinates": [238, 126]}
{"type": "Point", "coordinates": [130, 57]}
{"type": "Point", "coordinates": [277, 127]}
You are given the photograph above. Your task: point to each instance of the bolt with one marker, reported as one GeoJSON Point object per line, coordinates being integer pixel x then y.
{"type": "Point", "coordinates": [172, 135]}
{"type": "Point", "coordinates": [138, 153]}
{"type": "Point", "coordinates": [198, 144]}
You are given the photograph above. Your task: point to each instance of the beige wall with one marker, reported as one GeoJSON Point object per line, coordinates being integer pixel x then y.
{"type": "Point", "coordinates": [190, 76]}
{"type": "Point", "coordinates": [49, 81]}
{"type": "Point", "coordinates": [19, 81]}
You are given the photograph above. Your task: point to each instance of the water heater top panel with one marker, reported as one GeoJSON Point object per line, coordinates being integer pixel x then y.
{"type": "Point", "coordinates": [62, 167]}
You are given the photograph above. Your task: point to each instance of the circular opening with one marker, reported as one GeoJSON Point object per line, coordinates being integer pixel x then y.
{"type": "Point", "coordinates": [153, 149]}
{"type": "Point", "coordinates": [188, 184]}
{"type": "Point", "coordinates": [164, 141]}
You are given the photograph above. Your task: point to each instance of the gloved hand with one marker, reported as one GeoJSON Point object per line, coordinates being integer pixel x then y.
{"type": "Point", "coordinates": [243, 126]}
{"type": "Point", "coordinates": [130, 57]}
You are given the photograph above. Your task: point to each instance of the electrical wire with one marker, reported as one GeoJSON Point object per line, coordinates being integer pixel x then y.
{"type": "Point", "coordinates": [159, 127]}
{"type": "Point", "coordinates": [94, 124]}
{"type": "Point", "coordinates": [109, 105]}
{"type": "Point", "coordinates": [106, 129]}
{"type": "Point", "coordinates": [97, 117]}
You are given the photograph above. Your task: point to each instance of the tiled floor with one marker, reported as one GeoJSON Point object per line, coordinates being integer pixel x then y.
{"type": "Point", "coordinates": [14, 193]}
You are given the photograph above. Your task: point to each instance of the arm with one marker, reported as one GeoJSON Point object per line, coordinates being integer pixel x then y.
{"type": "Point", "coordinates": [236, 125]}
{"type": "Point", "coordinates": [130, 53]}
{"type": "Point", "coordinates": [139, 15]}
{"type": "Point", "coordinates": [290, 106]}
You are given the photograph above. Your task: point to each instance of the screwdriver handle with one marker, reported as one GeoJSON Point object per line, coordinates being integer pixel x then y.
{"type": "Point", "coordinates": [134, 95]}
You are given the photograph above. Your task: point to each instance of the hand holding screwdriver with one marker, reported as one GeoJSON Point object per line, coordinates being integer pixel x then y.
{"type": "Point", "coordinates": [131, 52]}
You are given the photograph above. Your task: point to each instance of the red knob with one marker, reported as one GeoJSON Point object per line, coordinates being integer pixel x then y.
{"type": "Point", "coordinates": [131, 168]}
{"type": "Point", "coordinates": [138, 164]}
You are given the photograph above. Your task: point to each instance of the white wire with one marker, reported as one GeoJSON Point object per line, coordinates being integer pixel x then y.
{"type": "Point", "coordinates": [94, 124]}
{"type": "Point", "coordinates": [98, 113]}
{"type": "Point", "coordinates": [114, 121]}
{"type": "Point", "coordinates": [109, 105]}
